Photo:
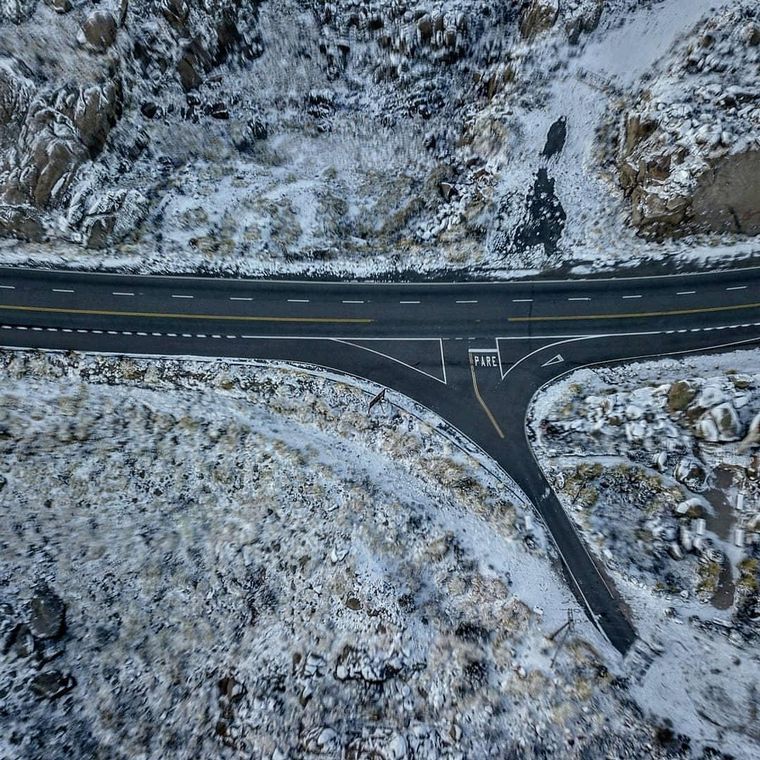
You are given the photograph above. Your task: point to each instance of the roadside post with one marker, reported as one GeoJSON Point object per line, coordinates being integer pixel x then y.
{"type": "Point", "coordinates": [376, 399]}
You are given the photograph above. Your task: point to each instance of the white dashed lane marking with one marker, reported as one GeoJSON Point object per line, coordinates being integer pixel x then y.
{"type": "Point", "coordinates": [298, 300]}
{"type": "Point", "coordinates": [121, 293]}
{"type": "Point", "coordinates": [62, 290]}
{"type": "Point", "coordinates": [353, 301]}
{"type": "Point", "coordinates": [241, 298]}
{"type": "Point", "coordinates": [522, 300]}
{"type": "Point", "coordinates": [131, 333]}
{"type": "Point", "coordinates": [408, 301]}
{"type": "Point", "coordinates": [466, 301]}
{"type": "Point", "coordinates": [636, 296]}
{"type": "Point", "coordinates": [7, 287]}
{"type": "Point", "coordinates": [176, 295]}
{"type": "Point", "coordinates": [737, 287]}
{"type": "Point", "coordinates": [579, 298]}
{"type": "Point", "coordinates": [686, 292]}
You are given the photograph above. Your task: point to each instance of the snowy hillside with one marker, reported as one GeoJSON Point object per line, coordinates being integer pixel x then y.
{"type": "Point", "coordinates": [368, 137]}
{"type": "Point", "coordinates": [658, 464]}
{"type": "Point", "coordinates": [237, 562]}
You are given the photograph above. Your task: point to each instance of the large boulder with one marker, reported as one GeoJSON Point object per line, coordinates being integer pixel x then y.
{"type": "Point", "coordinates": [56, 139]}
{"type": "Point", "coordinates": [21, 221]}
{"type": "Point", "coordinates": [16, 11]}
{"type": "Point", "coordinates": [581, 17]}
{"type": "Point", "coordinates": [47, 613]}
{"type": "Point", "coordinates": [94, 110]}
{"type": "Point", "coordinates": [59, 6]}
{"type": "Point", "coordinates": [753, 434]}
{"type": "Point", "coordinates": [16, 91]}
{"type": "Point", "coordinates": [539, 16]}
{"type": "Point", "coordinates": [727, 421]}
{"type": "Point", "coordinates": [727, 196]}
{"type": "Point", "coordinates": [111, 216]}
{"type": "Point", "coordinates": [98, 32]}
{"type": "Point", "coordinates": [48, 155]}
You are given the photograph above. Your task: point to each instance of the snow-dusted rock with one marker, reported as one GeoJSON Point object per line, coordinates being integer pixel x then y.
{"type": "Point", "coordinates": [98, 32]}
{"type": "Point", "coordinates": [48, 155]}
{"type": "Point", "coordinates": [753, 433]}
{"type": "Point", "coordinates": [581, 17]}
{"type": "Point", "coordinates": [59, 6]}
{"type": "Point", "coordinates": [539, 16]}
{"type": "Point", "coordinates": [691, 472]}
{"type": "Point", "coordinates": [691, 507]}
{"type": "Point", "coordinates": [21, 221]}
{"type": "Point", "coordinates": [711, 395]}
{"type": "Point", "coordinates": [685, 538]}
{"type": "Point", "coordinates": [16, 11]}
{"type": "Point", "coordinates": [691, 163]}
{"type": "Point", "coordinates": [16, 90]}
{"type": "Point", "coordinates": [111, 216]}
{"type": "Point", "coordinates": [727, 422]}
{"type": "Point", "coordinates": [706, 428]}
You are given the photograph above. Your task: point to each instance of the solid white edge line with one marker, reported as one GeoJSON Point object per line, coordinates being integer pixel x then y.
{"type": "Point", "coordinates": [349, 342]}
{"type": "Point", "coordinates": [354, 282]}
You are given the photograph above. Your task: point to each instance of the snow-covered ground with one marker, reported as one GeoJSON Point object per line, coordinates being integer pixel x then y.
{"type": "Point", "coordinates": [658, 464]}
{"type": "Point", "coordinates": [205, 560]}
{"type": "Point", "coordinates": [361, 138]}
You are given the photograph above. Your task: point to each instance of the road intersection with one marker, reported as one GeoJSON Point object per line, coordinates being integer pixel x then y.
{"type": "Point", "coordinates": [475, 353]}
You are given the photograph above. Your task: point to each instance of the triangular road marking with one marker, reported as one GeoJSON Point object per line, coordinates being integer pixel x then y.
{"type": "Point", "coordinates": [554, 360]}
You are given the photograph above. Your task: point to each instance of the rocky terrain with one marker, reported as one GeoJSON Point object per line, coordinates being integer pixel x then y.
{"type": "Point", "coordinates": [690, 148]}
{"type": "Point", "coordinates": [659, 465]}
{"type": "Point", "coordinates": [204, 560]}
{"type": "Point", "coordinates": [358, 137]}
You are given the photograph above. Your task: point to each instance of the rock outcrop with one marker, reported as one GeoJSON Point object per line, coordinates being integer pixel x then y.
{"type": "Point", "coordinates": [539, 16]}
{"type": "Point", "coordinates": [689, 149]}
{"type": "Point", "coordinates": [56, 123]}
{"type": "Point", "coordinates": [98, 31]}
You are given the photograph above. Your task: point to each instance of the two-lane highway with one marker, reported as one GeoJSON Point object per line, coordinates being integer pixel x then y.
{"type": "Point", "coordinates": [473, 352]}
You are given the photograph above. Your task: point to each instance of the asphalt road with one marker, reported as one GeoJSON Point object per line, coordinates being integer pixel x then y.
{"type": "Point", "coordinates": [475, 353]}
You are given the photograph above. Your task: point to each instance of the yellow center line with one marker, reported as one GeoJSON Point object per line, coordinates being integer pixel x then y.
{"type": "Point", "coordinates": [174, 315]}
{"type": "Point", "coordinates": [482, 403]}
{"type": "Point", "coordinates": [634, 314]}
